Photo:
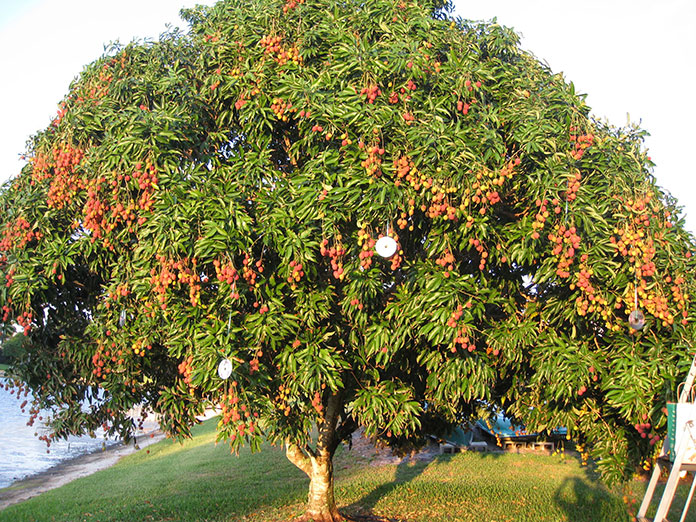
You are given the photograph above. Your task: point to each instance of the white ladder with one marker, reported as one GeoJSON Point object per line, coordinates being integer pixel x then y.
{"type": "Point", "coordinates": [679, 465]}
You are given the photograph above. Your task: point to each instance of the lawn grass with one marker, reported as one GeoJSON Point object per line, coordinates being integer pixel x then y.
{"type": "Point", "coordinates": [4, 367]}
{"type": "Point", "coordinates": [201, 481]}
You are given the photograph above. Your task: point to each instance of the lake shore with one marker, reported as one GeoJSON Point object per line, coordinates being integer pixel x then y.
{"type": "Point", "coordinates": [71, 469]}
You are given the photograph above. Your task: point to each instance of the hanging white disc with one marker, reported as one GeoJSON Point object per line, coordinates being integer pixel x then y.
{"type": "Point", "coordinates": [225, 369]}
{"type": "Point", "coordinates": [386, 246]}
{"type": "Point", "coordinates": [636, 319]}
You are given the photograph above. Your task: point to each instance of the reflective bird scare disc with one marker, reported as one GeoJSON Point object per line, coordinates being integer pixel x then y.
{"type": "Point", "coordinates": [636, 319]}
{"type": "Point", "coordinates": [386, 246]}
{"type": "Point", "coordinates": [225, 369]}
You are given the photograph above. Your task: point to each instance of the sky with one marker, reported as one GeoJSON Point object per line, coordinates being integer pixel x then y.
{"type": "Point", "coordinates": [633, 58]}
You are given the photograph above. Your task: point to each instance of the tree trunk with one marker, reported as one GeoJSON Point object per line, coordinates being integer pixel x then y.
{"type": "Point", "coordinates": [317, 464]}
{"type": "Point", "coordinates": [321, 505]}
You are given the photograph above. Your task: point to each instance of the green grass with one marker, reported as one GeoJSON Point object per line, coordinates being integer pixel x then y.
{"type": "Point", "coordinates": [4, 367]}
{"type": "Point", "coordinates": [202, 481]}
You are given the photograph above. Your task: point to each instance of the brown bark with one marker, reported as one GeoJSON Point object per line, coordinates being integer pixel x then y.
{"type": "Point", "coordinates": [318, 466]}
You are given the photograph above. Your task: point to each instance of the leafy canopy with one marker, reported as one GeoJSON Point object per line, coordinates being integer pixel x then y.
{"type": "Point", "coordinates": [218, 194]}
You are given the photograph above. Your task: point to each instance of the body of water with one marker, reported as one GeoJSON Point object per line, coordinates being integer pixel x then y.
{"type": "Point", "coordinates": [22, 453]}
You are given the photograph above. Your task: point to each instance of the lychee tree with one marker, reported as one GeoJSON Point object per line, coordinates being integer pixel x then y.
{"type": "Point", "coordinates": [217, 195]}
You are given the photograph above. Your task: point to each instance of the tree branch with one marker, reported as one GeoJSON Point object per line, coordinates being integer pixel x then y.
{"type": "Point", "coordinates": [326, 442]}
{"type": "Point", "coordinates": [344, 430]}
{"type": "Point", "coordinates": [298, 458]}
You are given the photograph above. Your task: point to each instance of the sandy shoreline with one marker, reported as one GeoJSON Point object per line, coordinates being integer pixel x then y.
{"type": "Point", "coordinates": [71, 469]}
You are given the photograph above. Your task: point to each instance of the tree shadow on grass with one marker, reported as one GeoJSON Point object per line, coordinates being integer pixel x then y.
{"type": "Point", "coordinates": [406, 471]}
{"type": "Point", "coordinates": [584, 500]}
{"type": "Point", "coordinates": [580, 498]}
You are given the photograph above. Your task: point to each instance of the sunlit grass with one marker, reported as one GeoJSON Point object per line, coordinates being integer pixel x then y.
{"type": "Point", "coordinates": [199, 480]}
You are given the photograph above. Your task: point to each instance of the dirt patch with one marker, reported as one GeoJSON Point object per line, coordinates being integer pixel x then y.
{"type": "Point", "coordinates": [364, 449]}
